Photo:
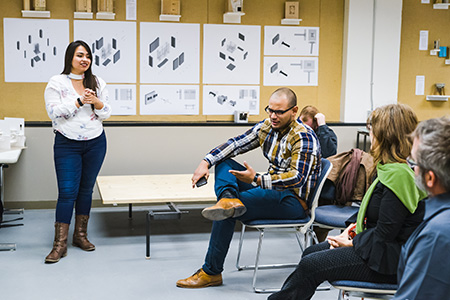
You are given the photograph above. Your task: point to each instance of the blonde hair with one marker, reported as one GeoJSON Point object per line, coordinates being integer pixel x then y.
{"type": "Point", "coordinates": [309, 112]}
{"type": "Point", "coordinates": [391, 128]}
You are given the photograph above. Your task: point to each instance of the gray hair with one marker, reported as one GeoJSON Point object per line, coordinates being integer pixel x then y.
{"type": "Point", "coordinates": [433, 152]}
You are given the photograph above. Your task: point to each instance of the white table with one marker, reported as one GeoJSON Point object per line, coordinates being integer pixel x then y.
{"type": "Point", "coordinates": [7, 157]}
{"type": "Point", "coordinates": [169, 189]}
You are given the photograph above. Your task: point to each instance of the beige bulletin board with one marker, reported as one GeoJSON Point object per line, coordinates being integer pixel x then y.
{"type": "Point", "coordinates": [413, 62]}
{"type": "Point", "coordinates": [27, 99]}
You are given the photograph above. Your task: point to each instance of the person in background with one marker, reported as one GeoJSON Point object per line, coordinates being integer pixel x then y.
{"type": "Point", "coordinates": [77, 103]}
{"type": "Point", "coordinates": [293, 153]}
{"type": "Point", "coordinates": [424, 267]}
{"type": "Point", "coordinates": [311, 116]}
{"type": "Point", "coordinates": [390, 211]}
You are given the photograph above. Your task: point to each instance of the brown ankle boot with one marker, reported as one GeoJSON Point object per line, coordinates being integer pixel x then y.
{"type": "Point", "coordinates": [60, 243]}
{"type": "Point", "coordinates": [224, 208]}
{"type": "Point", "coordinates": [80, 233]}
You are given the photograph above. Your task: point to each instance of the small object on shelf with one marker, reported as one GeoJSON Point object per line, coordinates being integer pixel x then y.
{"type": "Point", "coordinates": [235, 6]}
{"type": "Point", "coordinates": [440, 89]}
{"type": "Point", "coordinates": [170, 10]}
{"type": "Point", "coordinates": [37, 10]}
{"type": "Point", "coordinates": [291, 10]}
{"type": "Point", "coordinates": [83, 9]}
{"type": "Point", "coordinates": [234, 11]}
{"type": "Point", "coordinates": [105, 9]}
{"type": "Point", "coordinates": [241, 116]}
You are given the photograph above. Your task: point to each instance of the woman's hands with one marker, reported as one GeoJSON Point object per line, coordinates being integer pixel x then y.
{"type": "Point", "coordinates": [342, 240]}
{"type": "Point", "coordinates": [90, 97]}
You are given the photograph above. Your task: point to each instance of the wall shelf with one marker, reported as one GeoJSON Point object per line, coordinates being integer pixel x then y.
{"type": "Point", "coordinates": [437, 98]}
{"type": "Point", "coordinates": [35, 14]}
{"type": "Point", "coordinates": [232, 17]}
{"type": "Point", "coordinates": [172, 18]}
{"type": "Point", "coordinates": [83, 15]}
{"type": "Point", "coordinates": [291, 21]}
{"type": "Point", "coordinates": [441, 5]}
{"type": "Point", "coordinates": [105, 15]}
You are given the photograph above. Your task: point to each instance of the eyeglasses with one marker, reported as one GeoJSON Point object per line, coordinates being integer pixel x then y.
{"type": "Point", "coordinates": [276, 112]}
{"type": "Point", "coordinates": [411, 163]}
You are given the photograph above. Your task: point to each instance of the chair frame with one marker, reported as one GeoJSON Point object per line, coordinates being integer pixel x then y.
{"type": "Point", "coordinates": [303, 232]}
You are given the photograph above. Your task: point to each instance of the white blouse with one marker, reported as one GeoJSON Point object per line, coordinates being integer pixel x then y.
{"type": "Point", "coordinates": [75, 123]}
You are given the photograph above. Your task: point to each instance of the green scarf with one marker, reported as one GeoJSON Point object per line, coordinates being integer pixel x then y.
{"type": "Point", "coordinates": [399, 178]}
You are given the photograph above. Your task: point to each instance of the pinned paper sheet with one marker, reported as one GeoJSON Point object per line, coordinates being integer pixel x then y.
{"type": "Point", "coordinates": [423, 41]}
{"type": "Point", "coordinates": [420, 85]}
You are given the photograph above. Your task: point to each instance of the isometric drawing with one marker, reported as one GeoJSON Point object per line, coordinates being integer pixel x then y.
{"type": "Point", "coordinates": [295, 71]}
{"type": "Point", "coordinates": [113, 46]}
{"type": "Point", "coordinates": [34, 49]}
{"type": "Point", "coordinates": [169, 100]}
{"type": "Point", "coordinates": [295, 41]}
{"type": "Point", "coordinates": [225, 100]}
{"type": "Point", "coordinates": [170, 53]}
{"type": "Point", "coordinates": [231, 54]}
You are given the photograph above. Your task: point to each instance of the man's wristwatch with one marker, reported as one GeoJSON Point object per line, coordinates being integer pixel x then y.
{"type": "Point", "coordinates": [79, 102]}
{"type": "Point", "coordinates": [255, 180]}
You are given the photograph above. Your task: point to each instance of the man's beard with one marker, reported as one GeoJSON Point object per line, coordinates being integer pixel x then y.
{"type": "Point", "coordinates": [420, 182]}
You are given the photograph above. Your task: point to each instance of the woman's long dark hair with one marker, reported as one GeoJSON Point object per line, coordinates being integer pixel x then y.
{"type": "Point", "coordinates": [89, 80]}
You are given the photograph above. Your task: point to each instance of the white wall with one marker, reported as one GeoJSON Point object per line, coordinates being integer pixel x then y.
{"type": "Point", "coordinates": [357, 76]}
{"type": "Point", "coordinates": [131, 150]}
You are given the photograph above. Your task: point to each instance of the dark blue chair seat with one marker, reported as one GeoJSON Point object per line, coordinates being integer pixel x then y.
{"type": "Point", "coordinates": [333, 216]}
{"type": "Point", "coordinates": [274, 223]}
{"type": "Point", "coordinates": [364, 289]}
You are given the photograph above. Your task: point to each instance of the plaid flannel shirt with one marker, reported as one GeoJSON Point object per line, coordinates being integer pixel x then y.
{"type": "Point", "coordinates": [293, 155]}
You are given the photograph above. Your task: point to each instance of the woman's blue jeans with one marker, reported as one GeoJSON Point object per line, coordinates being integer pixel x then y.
{"type": "Point", "coordinates": [260, 204]}
{"type": "Point", "coordinates": [77, 164]}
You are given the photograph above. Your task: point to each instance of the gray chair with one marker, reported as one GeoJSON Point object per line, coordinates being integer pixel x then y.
{"type": "Point", "coordinates": [302, 227]}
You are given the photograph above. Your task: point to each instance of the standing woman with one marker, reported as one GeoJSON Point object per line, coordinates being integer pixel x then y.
{"type": "Point", "coordinates": [390, 211]}
{"type": "Point", "coordinates": [77, 103]}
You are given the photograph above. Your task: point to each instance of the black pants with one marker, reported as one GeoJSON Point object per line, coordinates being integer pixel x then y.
{"type": "Point", "coordinates": [320, 263]}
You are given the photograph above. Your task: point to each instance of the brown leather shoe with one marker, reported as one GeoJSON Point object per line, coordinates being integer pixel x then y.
{"type": "Point", "coordinates": [59, 249]}
{"type": "Point", "coordinates": [225, 208]}
{"type": "Point", "coordinates": [200, 280]}
{"type": "Point", "coordinates": [80, 233]}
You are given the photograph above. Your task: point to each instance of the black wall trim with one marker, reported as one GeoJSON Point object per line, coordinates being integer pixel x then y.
{"type": "Point", "coordinates": [173, 124]}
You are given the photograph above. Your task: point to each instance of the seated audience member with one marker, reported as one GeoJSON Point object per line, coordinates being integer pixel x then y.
{"type": "Point", "coordinates": [390, 211]}
{"type": "Point", "coordinates": [293, 154]}
{"type": "Point", "coordinates": [311, 116]}
{"type": "Point", "coordinates": [424, 267]}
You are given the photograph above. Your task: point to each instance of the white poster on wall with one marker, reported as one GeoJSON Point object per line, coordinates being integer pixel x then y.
{"type": "Point", "coordinates": [295, 40]}
{"type": "Point", "coordinates": [231, 54]}
{"type": "Point", "coordinates": [225, 100]}
{"type": "Point", "coordinates": [122, 98]}
{"type": "Point", "coordinates": [169, 100]}
{"type": "Point", "coordinates": [291, 71]}
{"type": "Point", "coordinates": [34, 48]}
{"type": "Point", "coordinates": [113, 46]}
{"type": "Point", "coordinates": [169, 53]}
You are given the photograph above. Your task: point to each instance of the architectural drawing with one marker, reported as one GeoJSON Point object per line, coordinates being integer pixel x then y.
{"type": "Point", "coordinates": [291, 71]}
{"type": "Point", "coordinates": [113, 46]}
{"type": "Point", "coordinates": [122, 99]}
{"type": "Point", "coordinates": [169, 100]}
{"type": "Point", "coordinates": [225, 100]}
{"type": "Point", "coordinates": [295, 41]}
{"type": "Point", "coordinates": [231, 54]}
{"type": "Point", "coordinates": [170, 53]}
{"type": "Point", "coordinates": [34, 49]}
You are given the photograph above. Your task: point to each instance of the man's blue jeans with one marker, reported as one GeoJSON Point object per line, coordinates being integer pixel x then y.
{"type": "Point", "coordinates": [77, 164]}
{"type": "Point", "coordinates": [260, 204]}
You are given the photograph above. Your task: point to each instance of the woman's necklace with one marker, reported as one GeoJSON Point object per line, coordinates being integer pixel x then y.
{"type": "Point", "coordinates": [76, 76]}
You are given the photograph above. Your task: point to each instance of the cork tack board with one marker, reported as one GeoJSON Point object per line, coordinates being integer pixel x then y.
{"type": "Point", "coordinates": [26, 100]}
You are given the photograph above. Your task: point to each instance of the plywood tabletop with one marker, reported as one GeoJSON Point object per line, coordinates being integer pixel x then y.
{"type": "Point", "coordinates": [153, 189]}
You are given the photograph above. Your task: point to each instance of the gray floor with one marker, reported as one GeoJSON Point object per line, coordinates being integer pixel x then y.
{"type": "Point", "coordinates": [117, 269]}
